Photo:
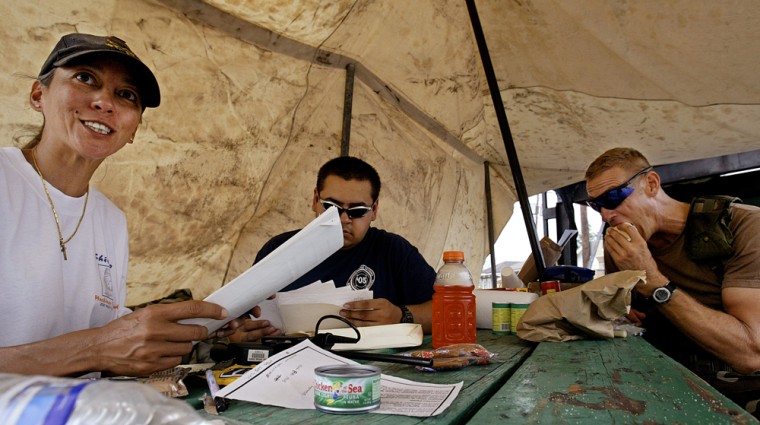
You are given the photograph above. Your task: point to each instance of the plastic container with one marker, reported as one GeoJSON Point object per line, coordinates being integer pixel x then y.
{"type": "Point", "coordinates": [30, 400]}
{"type": "Point", "coordinates": [516, 313]}
{"type": "Point", "coordinates": [502, 314]}
{"type": "Point", "coordinates": [454, 311]}
{"type": "Point", "coordinates": [550, 287]}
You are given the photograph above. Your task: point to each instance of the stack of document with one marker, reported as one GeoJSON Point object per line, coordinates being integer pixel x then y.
{"type": "Point", "coordinates": [299, 310]}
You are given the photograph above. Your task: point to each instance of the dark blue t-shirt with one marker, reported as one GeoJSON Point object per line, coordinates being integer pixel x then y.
{"type": "Point", "coordinates": [383, 262]}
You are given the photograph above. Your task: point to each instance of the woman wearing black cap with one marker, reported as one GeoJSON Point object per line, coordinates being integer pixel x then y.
{"type": "Point", "coordinates": [63, 244]}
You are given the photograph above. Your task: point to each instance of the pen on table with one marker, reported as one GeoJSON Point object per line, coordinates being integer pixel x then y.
{"type": "Point", "coordinates": [213, 386]}
{"type": "Point", "coordinates": [390, 358]}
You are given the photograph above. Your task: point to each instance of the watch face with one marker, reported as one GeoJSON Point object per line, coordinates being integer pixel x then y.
{"type": "Point", "coordinates": [661, 295]}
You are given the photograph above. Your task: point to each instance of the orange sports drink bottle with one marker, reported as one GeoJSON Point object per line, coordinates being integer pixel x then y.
{"type": "Point", "coordinates": [454, 317]}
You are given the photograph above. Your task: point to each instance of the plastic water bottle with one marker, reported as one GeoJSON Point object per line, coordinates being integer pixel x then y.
{"type": "Point", "coordinates": [31, 400]}
{"type": "Point", "coordinates": [454, 317]}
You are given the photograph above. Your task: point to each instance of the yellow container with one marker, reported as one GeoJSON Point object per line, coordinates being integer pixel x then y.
{"type": "Point", "coordinates": [516, 313]}
{"type": "Point", "coordinates": [501, 318]}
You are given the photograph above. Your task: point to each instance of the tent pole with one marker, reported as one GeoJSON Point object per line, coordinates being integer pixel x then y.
{"type": "Point", "coordinates": [509, 143]}
{"type": "Point", "coordinates": [489, 211]}
{"type": "Point", "coordinates": [348, 102]}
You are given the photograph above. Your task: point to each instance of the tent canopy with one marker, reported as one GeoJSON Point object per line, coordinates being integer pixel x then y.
{"type": "Point", "coordinates": [253, 103]}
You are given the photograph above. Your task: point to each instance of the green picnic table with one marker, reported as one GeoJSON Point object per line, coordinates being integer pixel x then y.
{"type": "Point", "coordinates": [479, 383]}
{"type": "Point", "coordinates": [624, 380]}
{"type": "Point", "coordinates": [618, 381]}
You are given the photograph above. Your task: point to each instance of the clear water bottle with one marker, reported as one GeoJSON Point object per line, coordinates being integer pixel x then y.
{"type": "Point", "coordinates": [30, 400]}
{"type": "Point", "coordinates": [454, 316]}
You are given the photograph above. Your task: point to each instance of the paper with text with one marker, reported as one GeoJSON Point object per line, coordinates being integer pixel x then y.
{"type": "Point", "coordinates": [287, 380]}
{"type": "Point", "coordinates": [299, 254]}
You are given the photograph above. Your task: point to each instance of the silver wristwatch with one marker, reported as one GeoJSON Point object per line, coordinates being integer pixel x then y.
{"type": "Point", "coordinates": [662, 294]}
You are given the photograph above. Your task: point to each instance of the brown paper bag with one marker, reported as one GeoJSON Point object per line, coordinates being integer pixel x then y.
{"type": "Point", "coordinates": [551, 250]}
{"type": "Point", "coordinates": [586, 310]}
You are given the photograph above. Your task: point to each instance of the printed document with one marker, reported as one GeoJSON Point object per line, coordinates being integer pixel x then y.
{"type": "Point", "coordinates": [287, 380]}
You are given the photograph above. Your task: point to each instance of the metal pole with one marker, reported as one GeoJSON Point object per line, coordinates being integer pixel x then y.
{"type": "Point", "coordinates": [489, 211]}
{"type": "Point", "coordinates": [544, 212]}
{"type": "Point", "coordinates": [509, 143]}
{"type": "Point", "coordinates": [348, 102]}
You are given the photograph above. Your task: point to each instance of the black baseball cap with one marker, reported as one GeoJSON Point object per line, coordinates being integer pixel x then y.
{"type": "Point", "coordinates": [77, 45]}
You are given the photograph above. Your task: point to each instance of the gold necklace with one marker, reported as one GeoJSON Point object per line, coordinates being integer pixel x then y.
{"type": "Point", "coordinates": [55, 214]}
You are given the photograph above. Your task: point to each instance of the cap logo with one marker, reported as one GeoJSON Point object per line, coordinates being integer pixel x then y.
{"type": "Point", "coordinates": [117, 44]}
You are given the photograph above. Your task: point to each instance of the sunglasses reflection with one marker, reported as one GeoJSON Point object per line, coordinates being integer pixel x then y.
{"type": "Point", "coordinates": [612, 198]}
{"type": "Point", "coordinates": [352, 212]}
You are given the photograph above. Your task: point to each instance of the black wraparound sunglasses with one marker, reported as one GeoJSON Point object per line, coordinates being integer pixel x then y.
{"type": "Point", "coordinates": [353, 212]}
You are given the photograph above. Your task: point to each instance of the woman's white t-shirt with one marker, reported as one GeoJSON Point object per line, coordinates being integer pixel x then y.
{"type": "Point", "coordinates": [41, 294]}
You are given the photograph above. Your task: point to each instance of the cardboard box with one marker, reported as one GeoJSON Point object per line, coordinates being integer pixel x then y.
{"type": "Point", "coordinates": [551, 250]}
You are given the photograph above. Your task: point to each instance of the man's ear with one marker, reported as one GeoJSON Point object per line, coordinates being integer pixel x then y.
{"type": "Point", "coordinates": [375, 206]}
{"type": "Point", "coordinates": [315, 202]}
{"type": "Point", "coordinates": [35, 96]}
{"type": "Point", "coordinates": [652, 183]}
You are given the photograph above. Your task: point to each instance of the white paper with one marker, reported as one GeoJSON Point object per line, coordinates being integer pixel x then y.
{"type": "Point", "coordinates": [567, 235]}
{"type": "Point", "coordinates": [291, 260]}
{"type": "Point", "coordinates": [303, 318]}
{"type": "Point", "coordinates": [299, 310]}
{"type": "Point", "coordinates": [404, 397]}
{"type": "Point", "coordinates": [287, 380]}
{"type": "Point", "coordinates": [315, 287]}
{"type": "Point", "coordinates": [270, 311]}
{"type": "Point", "coordinates": [397, 335]}
{"type": "Point", "coordinates": [334, 296]}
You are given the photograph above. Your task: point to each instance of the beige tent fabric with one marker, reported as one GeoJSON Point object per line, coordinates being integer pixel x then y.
{"type": "Point", "coordinates": [253, 101]}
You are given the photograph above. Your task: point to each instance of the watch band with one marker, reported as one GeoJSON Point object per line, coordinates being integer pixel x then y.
{"type": "Point", "coordinates": [406, 315]}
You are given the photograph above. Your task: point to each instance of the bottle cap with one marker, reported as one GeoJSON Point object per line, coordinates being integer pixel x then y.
{"type": "Point", "coordinates": [453, 256]}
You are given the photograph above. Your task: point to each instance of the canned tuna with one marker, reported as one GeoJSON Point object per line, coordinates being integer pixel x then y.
{"type": "Point", "coordinates": [347, 388]}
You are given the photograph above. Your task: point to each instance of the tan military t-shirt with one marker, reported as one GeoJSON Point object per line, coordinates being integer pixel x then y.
{"type": "Point", "coordinates": [740, 270]}
{"type": "Point", "coordinates": [698, 279]}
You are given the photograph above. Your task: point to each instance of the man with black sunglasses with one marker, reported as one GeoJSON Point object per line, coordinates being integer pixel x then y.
{"type": "Point", "coordinates": [371, 258]}
{"type": "Point", "coordinates": [701, 300]}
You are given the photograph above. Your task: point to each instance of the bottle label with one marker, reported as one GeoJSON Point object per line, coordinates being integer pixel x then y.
{"type": "Point", "coordinates": [516, 313]}
{"type": "Point", "coordinates": [453, 278]}
{"type": "Point", "coordinates": [550, 286]}
{"type": "Point", "coordinates": [501, 318]}
{"type": "Point", "coordinates": [37, 402]}
{"type": "Point", "coordinates": [347, 388]}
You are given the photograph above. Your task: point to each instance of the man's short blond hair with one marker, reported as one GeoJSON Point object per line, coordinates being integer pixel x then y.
{"type": "Point", "coordinates": [626, 158]}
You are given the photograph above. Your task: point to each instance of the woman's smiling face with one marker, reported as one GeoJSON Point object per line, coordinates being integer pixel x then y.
{"type": "Point", "coordinates": [93, 107]}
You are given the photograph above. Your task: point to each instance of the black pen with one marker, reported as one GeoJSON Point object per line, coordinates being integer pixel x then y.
{"type": "Point", "coordinates": [390, 358]}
